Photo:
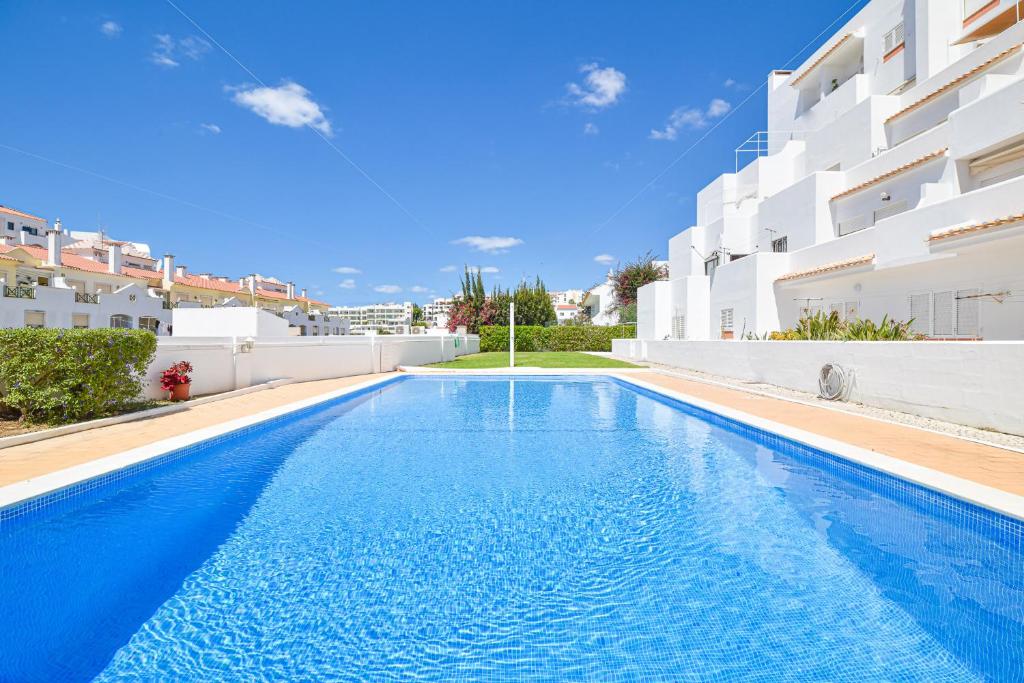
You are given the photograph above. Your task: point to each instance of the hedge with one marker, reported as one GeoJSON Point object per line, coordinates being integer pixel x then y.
{"type": "Point", "coordinates": [560, 338]}
{"type": "Point", "coordinates": [58, 375]}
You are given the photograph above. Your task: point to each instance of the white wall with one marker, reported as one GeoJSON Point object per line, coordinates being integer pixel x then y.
{"type": "Point", "coordinates": [971, 383]}
{"type": "Point", "coordinates": [231, 321]}
{"type": "Point", "coordinates": [224, 363]}
{"type": "Point", "coordinates": [654, 310]}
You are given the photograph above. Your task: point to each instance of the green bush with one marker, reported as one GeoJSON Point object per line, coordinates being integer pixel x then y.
{"type": "Point", "coordinates": [57, 375]}
{"type": "Point", "coordinates": [560, 338]}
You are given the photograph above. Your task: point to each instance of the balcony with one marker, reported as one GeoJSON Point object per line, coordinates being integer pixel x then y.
{"type": "Point", "coordinates": [167, 306]}
{"type": "Point", "coordinates": [987, 18]}
{"type": "Point", "coordinates": [86, 298]}
{"type": "Point", "coordinates": [20, 292]}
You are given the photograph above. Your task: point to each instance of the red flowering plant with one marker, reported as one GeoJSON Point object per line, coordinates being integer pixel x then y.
{"type": "Point", "coordinates": [175, 375]}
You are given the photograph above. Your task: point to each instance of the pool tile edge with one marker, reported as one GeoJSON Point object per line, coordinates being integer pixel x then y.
{"type": "Point", "coordinates": [19, 493]}
{"type": "Point", "coordinates": [987, 497]}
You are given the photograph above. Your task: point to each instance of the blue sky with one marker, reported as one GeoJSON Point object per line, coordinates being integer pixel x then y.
{"type": "Point", "coordinates": [373, 144]}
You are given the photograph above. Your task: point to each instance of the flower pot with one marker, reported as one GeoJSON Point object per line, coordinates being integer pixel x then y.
{"type": "Point", "coordinates": [180, 392]}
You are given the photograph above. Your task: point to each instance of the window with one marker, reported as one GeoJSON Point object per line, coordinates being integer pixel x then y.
{"type": "Point", "coordinates": [851, 310]}
{"type": "Point", "coordinates": [710, 265]}
{"type": "Point", "coordinates": [679, 327]}
{"type": "Point", "coordinates": [119, 320]}
{"type": "Point", "coordinates": [995, 167]}
{"type": "Point", "coordinates": [10, 225]}
{"type": "Point", "coordinates": [727, 314]}
{"type": "Point", "coordinates": [150, 323]}
{"type": "Point", "coordinates": [893, 39]}
{"type": "Point", "coordinates": [780, 245]}
{"type": "Point", "coordinates": [80, 321]}
{"type": "Point", "coordinates": [952, 313]}
{"type": "Point", "coordinates": [36, 319]}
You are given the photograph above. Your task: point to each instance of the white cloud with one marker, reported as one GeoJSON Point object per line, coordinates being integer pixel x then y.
{"type": "Point", "coordinates": [419, 289]}
{"type": "Point", "coordinates": [210, 128]}
{"type": "Point", "coordinates": [489, 245]}
{"type": "Point", "coordinates": [729, 83]}
{"type": "Point", "coordinates": [111, 29]}
{"type": "Point", "coordinates": [590, 128]}
{"type": "Point", "coordinates": [605, 259]}
{"type": "Point", "coordinates": [692, 118]}
{"type": "Point", "coordinates": [487, 270]}
{"type": "Point", "coordinates": [347, 270]}
{"type": "Point", "coordinates": [718, 108]}
{"type": "Point", "coordinates": [387, 289]}
{"type": "Point", "coordinates": [347, 283]}
{"type": "Point", "coordinates": [168, 52]}
{"type": "Point", "coordinates": [288, 104]}
{"type": "Point", "coordinates": [601, 87]}
{"type": "Point", "coordinates": [447, 269]}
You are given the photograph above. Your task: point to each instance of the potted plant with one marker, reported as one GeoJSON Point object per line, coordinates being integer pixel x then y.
{"type": "Point", "coordinates": [176, 381]}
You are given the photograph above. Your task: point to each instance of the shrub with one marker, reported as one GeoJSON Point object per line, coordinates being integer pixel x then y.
{"type": "Point", "coordinates": [56, 375]}
{"type": "Point", "coordinates": [560, 338]}
{"type": "Point", "coordinates": [829, 327]}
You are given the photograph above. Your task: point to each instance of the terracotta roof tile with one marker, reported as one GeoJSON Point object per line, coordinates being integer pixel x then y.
{"type": "Point", "coordinates": [208, 283]}
{"type": "Point", "coordinates": [822, 58]}
{"type": "Point", "coordinates": [964, 230]}
{"type": "Point", "coordinates": [15, 212]}
{"type": "Point", "coordinates": [959, 80]}
{"type": "Point", "coordinates": [895, 172]}
{"type": "Point", "coordinates": [828, 268]}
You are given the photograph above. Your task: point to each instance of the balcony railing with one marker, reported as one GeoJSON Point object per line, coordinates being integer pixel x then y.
{"type": "Point", "coordinates": [168, 305]}
{"type": "Point", "coordinates": [85, 298]}
{"type": "Point", "coordinates": [20, 292]}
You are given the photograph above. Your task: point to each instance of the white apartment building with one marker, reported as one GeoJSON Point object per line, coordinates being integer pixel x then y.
{"type": "Point", "coordinates": [389, 318]}
{"type": "Point", "coordinates": [890, 182]}
{"type": "Point", "coordinates": [569, 296]}
{"type": "Point", "coordinates": [54, 287]}
{"type": "Point", "coordinates": [435, 314]}
{"type": "Point", "coordinates": [52, 277]}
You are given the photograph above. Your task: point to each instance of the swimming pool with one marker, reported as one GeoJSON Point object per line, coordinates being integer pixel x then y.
{"type": "Point", "coordinates": [472, 528]}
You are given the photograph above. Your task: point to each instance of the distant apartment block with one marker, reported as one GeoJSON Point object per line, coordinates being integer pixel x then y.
{"type": "Point", "coordinates": [388, 318]}
{"type": "Point", "coordinates": [435, 314]}
{"type": "Point", "coordinates": [889, 182]}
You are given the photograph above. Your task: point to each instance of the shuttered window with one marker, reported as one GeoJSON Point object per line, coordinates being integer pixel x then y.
{"type": "Point", "coordinates": [679, 327]}
{"type": "Point", "coordinates": [942, 314]}
{"type": "Point", "coordinates": [967, 312]}
{"type": "Point", "coordinates": [921, 313]}
{"type": "Point", "coordinates": [727, 319]}
{"type": "Point", "coordinates": [893, 39]}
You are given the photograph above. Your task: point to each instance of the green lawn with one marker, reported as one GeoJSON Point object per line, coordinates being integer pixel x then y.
{"type": "Point", "coordinates": [551, 359]}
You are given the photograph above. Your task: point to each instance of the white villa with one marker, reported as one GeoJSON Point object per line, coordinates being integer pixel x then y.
{"type": "Point", "coordinates": [389, 318]}
{"type": "Point", "coordinates": [890, 181]}
{"type": "Point", "coordinates": [52, 277]}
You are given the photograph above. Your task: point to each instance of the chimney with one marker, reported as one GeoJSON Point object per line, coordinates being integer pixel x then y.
{"type": "Point", "coordinates": [114, 259]}
{"type": "Point", "coordinates": [252, 288]}
{"type": "Point", "coordinates": [168, 271]}
{"type": "Point", "coordinates": [181, 271]}
{"type": "Point", "coordinates": [290, 291]}
{"type": "Point", "coordinates": [53, 254]}
{"type": "Point", "coordinates": [304, 293]}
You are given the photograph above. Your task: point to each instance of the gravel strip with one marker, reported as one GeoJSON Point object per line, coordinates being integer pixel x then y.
{"type": "Point", "coordinates": [993, 438]}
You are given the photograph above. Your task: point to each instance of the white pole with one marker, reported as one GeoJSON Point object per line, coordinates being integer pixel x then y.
{"type": "Point", "coordinates": [511, 334]}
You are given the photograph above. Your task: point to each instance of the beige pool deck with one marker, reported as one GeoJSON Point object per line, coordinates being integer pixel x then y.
{"type": "Point", "coordinates": [982, 464]}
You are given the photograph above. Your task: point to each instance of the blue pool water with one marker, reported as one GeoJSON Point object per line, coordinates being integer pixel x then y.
{"type": "Point", "coordinates": [488, 529]}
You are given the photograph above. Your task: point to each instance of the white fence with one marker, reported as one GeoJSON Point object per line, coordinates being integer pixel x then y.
{"type": "Point", "coordinates": [970, 383]}
{"type": "Point", "coordinates": [226, 363]}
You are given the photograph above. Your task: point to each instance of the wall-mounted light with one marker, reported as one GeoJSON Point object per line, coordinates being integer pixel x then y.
{"type": "Point", "coordinates": [886, 196]}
